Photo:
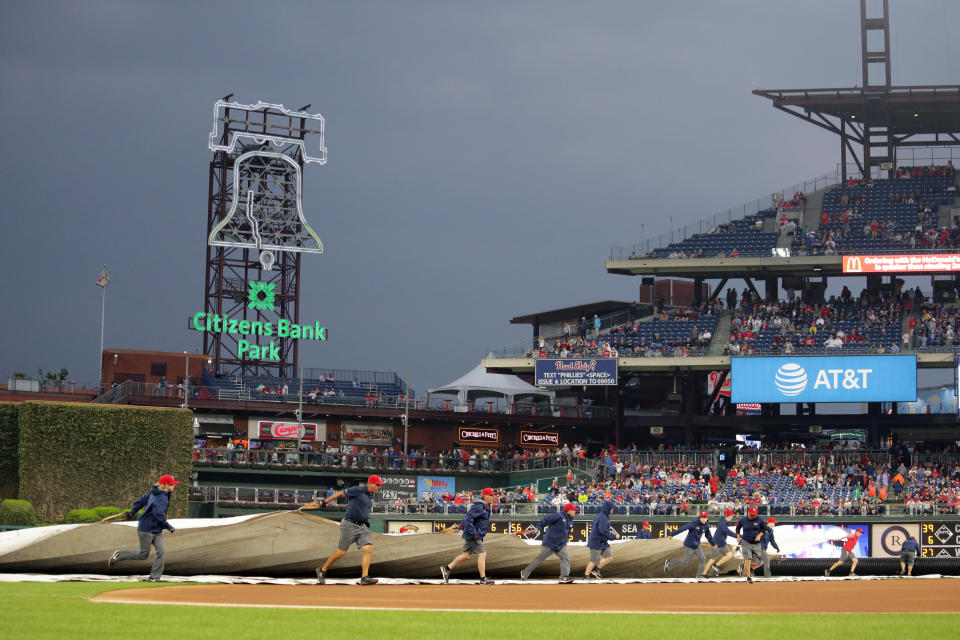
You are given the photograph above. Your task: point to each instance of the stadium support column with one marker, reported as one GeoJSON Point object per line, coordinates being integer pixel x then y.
{"type": "Point", "coordinates": [698, 291]}
{"type": "Point", "coordinates": [772, 289]}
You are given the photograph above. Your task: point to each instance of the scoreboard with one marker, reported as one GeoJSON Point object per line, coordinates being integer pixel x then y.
{"type": "Point", "coordinates": [939, 540]}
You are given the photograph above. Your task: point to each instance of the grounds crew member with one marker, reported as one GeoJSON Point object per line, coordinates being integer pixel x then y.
{"type": "Point", "coordinates": [691, 544]}
{"type": "Point", "coordinates": [475, 526]}
{"type": "Point", "coordinates": [646, 532]}
{"type": "Point", "coordinates": [846, 553]}
{"type": "Point", "coordinates": [908, 555]}
{"type": "Point", "coordinates": [768, 541]}
{"type": "Point", "coordinates": [601, 533]}
{"type": "Point", "coordinates": [354, 528]}
{"type": "Point", "coordinates": [557, 527]}
{"type": "Point", "coordinates": [720, 548]}
{"type": "Point", "coordinates": [153, 521]}
{"type": "Point", "coordinates": [749, 533]}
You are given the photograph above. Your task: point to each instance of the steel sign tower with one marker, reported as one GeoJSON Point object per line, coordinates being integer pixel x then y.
{"type": "Point", "coordinates": [256, 228]}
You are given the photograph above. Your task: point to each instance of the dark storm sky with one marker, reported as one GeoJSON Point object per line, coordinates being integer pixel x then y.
{"type": "Point", "coordinates": [483, 157]}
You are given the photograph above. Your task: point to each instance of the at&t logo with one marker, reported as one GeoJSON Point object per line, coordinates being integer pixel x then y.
{"type": "Point", "coordinates": [791, 379]}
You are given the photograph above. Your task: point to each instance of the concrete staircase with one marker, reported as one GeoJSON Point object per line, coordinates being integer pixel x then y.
{"type": "Point", "coordinates": [722, 334]}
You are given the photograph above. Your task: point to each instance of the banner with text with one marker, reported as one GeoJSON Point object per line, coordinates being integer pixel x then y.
{"type": "Point", "coordinates": [378, 435]}
{"type": "Point", "coordinates": [902, 263]}
{"type": "Point", "coordinates": [540, 438]}
{"type": "Point", "coordinates": [569, 371]}
{"type": "Point", "coordinates": [432, 487]}
{"type": "Point", "coordinates": [398, 488]}
{"type": "Point", "coordinates": [824, 379]}
{"type": "Point", "coordinates": [475, 434]}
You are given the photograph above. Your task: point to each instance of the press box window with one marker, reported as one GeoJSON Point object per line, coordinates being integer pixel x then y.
{"type": "Point", "coordinates": [158, 369]}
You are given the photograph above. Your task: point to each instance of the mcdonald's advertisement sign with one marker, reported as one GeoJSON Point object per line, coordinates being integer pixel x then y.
{"type": "Point", "coordinates": [902, 263]}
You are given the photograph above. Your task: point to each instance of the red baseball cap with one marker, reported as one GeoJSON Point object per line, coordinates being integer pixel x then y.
{"type": "Point", "coordinates": [771, 521]}
{"type": "Point", "coordinates": [752, 511]}
{"type": "Point", "coordinates": [569, 506]}
{"type": "Point", "coordinates": [728, 512]}
{"type": "Point", "coordinates": [167, 479]}
{"type": "Point", "coordinates": [704, 514]}
{"type": "Point", "coordinates": [488, 492]}
{"type": "Point", "coordinates": [646, 524]}
{"type": "Point", "coordinates": [375, 479]}
{"type": "Point", "coordinates": [860, 531]}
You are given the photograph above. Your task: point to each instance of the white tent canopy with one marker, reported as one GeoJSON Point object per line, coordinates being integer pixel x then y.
{"type": "Point", "coordinates": [477, 383]}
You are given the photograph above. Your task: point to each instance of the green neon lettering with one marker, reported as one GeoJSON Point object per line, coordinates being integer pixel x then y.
{"type": "Point", "coordinates": [319, 332]}
{"type": "Point", "coordinates": [196, 321]}
{"type": "Point", "coordinates": [267, 329]}
{"type": "Point", "coordinates": [244, 327]}
{"type": "Point", "coordinates": [217, 326]}
{"type": "Point", "coordinates": [283, 328]}
{"type": "Point", "coordinates": [244, 347]}
{"type": "Point", "coordinates": [274, 351]}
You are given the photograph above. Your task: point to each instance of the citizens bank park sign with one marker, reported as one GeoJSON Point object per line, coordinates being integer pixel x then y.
{"type": "Point", "coordinates": [260, 296]}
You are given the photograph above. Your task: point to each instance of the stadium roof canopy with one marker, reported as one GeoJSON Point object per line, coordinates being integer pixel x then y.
{"type": "Point", "coordinates": [880, 118]}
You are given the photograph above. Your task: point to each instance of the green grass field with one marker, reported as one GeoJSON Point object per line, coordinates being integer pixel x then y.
{"type": "Point", "coordinates": [63, 610]}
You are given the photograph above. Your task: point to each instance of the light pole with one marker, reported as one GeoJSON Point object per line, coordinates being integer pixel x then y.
{"type": "Point", "coordinates": [406, 413]}
{"type": "Point", "coordinates": [300, 414]}
{"type": "Point", "coordinates": [186, 380]}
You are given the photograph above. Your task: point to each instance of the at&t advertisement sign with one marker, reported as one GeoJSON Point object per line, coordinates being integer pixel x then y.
{"type": "Point", "coordinates": [824, 379]}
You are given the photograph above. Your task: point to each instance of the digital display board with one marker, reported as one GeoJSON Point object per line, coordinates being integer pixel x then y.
{"type": "Point", "coordinates": [902, 263]}
{"type": "Point", "coordinates": [886, 378]}
{"type": "Point", "coordinates": [570, 371]}
{"type": "Point", "coordinates": [939, 540]}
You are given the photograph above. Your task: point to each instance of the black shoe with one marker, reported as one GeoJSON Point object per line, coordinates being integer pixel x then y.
{"type": "Point", "coordinates": [486, 580]}
{"type": "Point", "coordinates": [596, 574]}
{"type": "Point", "coordinates": [523, 578]}
{"type": "Point", "coordinates": [321, 577]}
{"type": "Point", "coordinates": [445, 572]}
{"type": "Point", "coordinates": [827, 573]}
{"type": "Point", "coordinates": [113, 559]}
{"type": "Point", "coordinates": [368, 580]}
{"type": "Point", "coordinates": [749, 579]}
{"type": "Point", "coordinates": [567, 580]}
{"type": "Point", "coordinates": [716, 569]}
{"type": "Point", "coordinates": [149, 579]}
{"type": "Point", "coordinates": [666, 566]}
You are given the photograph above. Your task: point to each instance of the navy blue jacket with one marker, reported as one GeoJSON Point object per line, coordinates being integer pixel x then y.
{"type": "Point", "coordinates": [910, 545]}
{"type": "Point", "coordinates": [695, 530]}
{"type": "Point", "coordinates": [767, 540]}
{"type": "Point", "coordinates": [154, 517]}
{"type": "Point", "coordinates": [645, 535]}
{"type": "Point", "coordinates": [600, 533]}
{"type": "Point", "coordinates": [360, 501]}
{"type": "Point", "coordinates": [558, 526]}
{"type": "Point", "coordinates": [722, 532]}
{"type": "Point", "coordinates": [751, 528]}
{"type": "Point", "coordinates": [477, 521]}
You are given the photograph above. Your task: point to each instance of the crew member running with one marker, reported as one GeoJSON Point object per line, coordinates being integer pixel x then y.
{"type": "Point", "coordinates": [354, 528]}
{"type": "Point", "coordinates": [557, 527]}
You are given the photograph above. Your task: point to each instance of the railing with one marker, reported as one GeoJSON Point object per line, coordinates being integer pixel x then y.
{"type": "Point", "coordinates": [348, 375]}
{"type": "Point", "coordinates": [809, 457]}
{"type": "Point", "coordinates": [699, 459]}
{"type": "Point", "coordinates": [152, 391]}
{"type": "Point", "coordinates": [674, 234]}
{"type": "Point", "coordinates": [347, 462]}
{"type": "Point", "coordinates": [287, 497]}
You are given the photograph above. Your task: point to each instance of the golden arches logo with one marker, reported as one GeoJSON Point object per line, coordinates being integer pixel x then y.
{"type": "Point", "coordinates": [852, 264]}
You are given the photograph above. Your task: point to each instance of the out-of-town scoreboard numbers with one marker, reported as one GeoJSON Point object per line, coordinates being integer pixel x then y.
{"type": "Point", "coordinates": [939, 540]}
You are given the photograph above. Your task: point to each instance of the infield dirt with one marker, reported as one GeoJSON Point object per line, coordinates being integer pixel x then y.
{"type": "Point", "coordinates": [840, 596]}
